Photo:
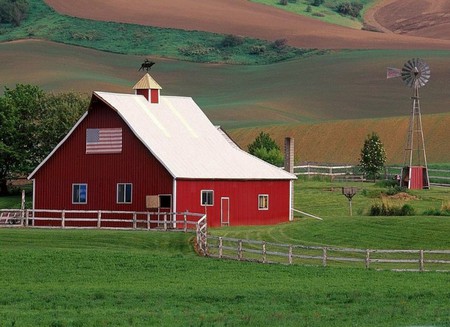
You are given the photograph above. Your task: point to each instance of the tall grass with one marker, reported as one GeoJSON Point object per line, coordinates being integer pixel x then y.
{"type": "Point", "coordinates": [110, 278]}
{"type": "Point", "coordinates": [44, 23]}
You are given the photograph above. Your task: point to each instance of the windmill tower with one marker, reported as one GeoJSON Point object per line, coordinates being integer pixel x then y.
{"type": "Point", "coordinates": [415, 74]}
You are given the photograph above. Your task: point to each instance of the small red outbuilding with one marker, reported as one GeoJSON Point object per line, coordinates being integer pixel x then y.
{"type": "Point", "coordinates": [129, 149]}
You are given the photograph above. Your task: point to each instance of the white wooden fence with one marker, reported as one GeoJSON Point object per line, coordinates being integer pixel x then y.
{"type": "Point", "coordinates": [266, 252]}
{"type": "Point", "coordinates": [177, 221]}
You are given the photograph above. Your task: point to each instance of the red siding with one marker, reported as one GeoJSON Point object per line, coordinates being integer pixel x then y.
{"type": "Point", "coordinates": [144, 92]}
{"type": "Point", "coordinates": [416, 178]}
{"type": "Point", "coordinates": [102, 172]}
{"type": "Point", "coordinates": [154, 94]}
{"type": "Point", "coordinates": [243, 197]}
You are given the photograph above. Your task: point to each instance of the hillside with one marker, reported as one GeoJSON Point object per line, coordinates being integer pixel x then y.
{"type": "Point", "coordinates": [242, 17]}
{"type": "Point", "coordinates": [291, 98]}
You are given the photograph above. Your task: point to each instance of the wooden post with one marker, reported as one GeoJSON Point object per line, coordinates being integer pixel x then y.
{"type": "Point", "coordinates": [148, 220]}
{"type": "Point", "coordinates": [240, 249]}
{"type": "Point", "coordinates": [165, 222]}
{"type": "Point", "coordinates": [264, 252]}
{"type": "Point", "coordinates": [185, 222]}
{"type": "Point", "coordinates": [134, 220]}
{"type": "Point", "coordinates": [220, 247]}
{"type": "Point", "coordinates": [63, 218]}
{"type": "Point", "coordinates": [421, 260]}
{"type": "Point", "coordinates": [290, 254]}
{"type": "Point", "coordinates": [324, 258]}
{"type": "Point", "coordinates": [26, 218]}
{"type": "Point", "coordinates": [22, 208]}
{"type": "Point", "coordinates": [99, 219]}
{"type": "Point", "coordinates": [367, 258]}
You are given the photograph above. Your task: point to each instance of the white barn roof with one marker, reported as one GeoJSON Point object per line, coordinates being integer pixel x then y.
{"type": "Point", "coordinates": [182, 138]}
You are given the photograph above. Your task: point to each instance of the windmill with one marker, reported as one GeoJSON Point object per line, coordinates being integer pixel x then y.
{"type": "Point", "coordinates": [415, 74]}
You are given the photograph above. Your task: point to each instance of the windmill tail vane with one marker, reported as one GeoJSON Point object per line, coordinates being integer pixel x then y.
{"type": "Point", "coordinates": [393, 72]}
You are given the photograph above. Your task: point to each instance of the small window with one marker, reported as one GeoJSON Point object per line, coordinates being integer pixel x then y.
{"type": "Point", "coordinates": [165, 201]}
{"type": "Point", "coordinates": [207, 198]}
{"type": "Point", "coordinates": [263, 202]}
{"type": "Point", "coordinates": [79, 193]}
{"type": "Point", "coordinates": [124, 192]}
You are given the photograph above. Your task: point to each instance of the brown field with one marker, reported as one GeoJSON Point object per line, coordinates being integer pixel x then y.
{"type": "Point", "coordinates": [242, 17]}
{"type": "Point", "coordinates": [341, 141]}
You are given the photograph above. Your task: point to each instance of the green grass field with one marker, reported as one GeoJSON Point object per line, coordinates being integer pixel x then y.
{"type": "Point", "coordinates": [118, 278]}
{"type": "Point", "coordinates": [325, 12]}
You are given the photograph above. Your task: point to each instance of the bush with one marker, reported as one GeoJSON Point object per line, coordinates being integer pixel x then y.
{"type": "Point", "coordinates": [279, 44]}
{"type": "Point", "coordinates": [283, 2]}
{"type": "Point", "coordinates": [257, 49]}
{"type": "Point", "coordinates": [231, 40]}
{"type": "Point", "coordinates": [349, 8]}
{"type": "Point", "coordinates": [13, 11]}
{"type": "Point", "coordinates": [317, 3]}
{"type": "Point", "coordinates": [387, 209]}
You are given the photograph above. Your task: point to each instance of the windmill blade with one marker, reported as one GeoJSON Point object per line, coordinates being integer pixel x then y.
{"type": "Point", "coordinates": [415, 73]}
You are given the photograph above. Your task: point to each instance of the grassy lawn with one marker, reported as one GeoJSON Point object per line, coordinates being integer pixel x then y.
{"type": "Point", "coordinates": [118, 278]}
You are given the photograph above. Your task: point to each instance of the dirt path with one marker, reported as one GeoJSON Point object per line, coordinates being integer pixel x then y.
{"type": "Point", "coordinates": [241, 17]}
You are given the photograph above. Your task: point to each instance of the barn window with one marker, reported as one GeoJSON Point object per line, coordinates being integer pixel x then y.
{"type": "Point", "coordinates": [207, 198]}
{"type": "Point", "coordinates": [263, 202]}
{"type": "Point", "coordinates": [124, 192]}
{"type": "Point", "coordinates": [79, 193]}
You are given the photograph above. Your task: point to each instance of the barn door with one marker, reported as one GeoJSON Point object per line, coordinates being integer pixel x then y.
{"type": "Point", "coordinates": [225, 211]}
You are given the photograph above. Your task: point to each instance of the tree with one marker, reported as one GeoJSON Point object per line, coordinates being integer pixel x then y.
{"type": "Point", "coordinates": [13, 11]}
{"type": "Point", "coordinates": [373, 156]}
{"type": "Point", "coordinates": [32, 123]}
{"type": "Point", "coordinates": [265, 148]}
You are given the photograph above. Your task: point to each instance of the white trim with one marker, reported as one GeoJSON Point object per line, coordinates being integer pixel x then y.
{"type": "Point", "coordinates": [221, 210]}
{"type": "Point", "coordinates": [201, 198]}
{"type": "Point", "coordinates": [34, 194]}
{"type": "Point", "coordinates": [124, 193]}
{"type": "Point", "coordinates": [57, 147]}
{"type": "Point", "coordinates": [174, 196]}
{"type": "Point", "coordinates": [260, 196]}
{"type": "Point", "coordinates": [291, 200]}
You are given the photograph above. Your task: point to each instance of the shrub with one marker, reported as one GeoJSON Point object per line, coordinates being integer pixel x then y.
{"type": "Point", "coordinates": [309, 8]}
{"type": "Point", "coordinates": [195, 50]}
{"type": "Point", "coordinates": [349, 8]}
{"type": "Point", "coordinates": [279, 44]}
{"type": "Point", "coordinates": [387, 209]}
{"type": "Point", "coordinates": [257, 49]}
{"type": "Point", "coordinates": [13, 11]}
{"type": "Point", "coordinates": [317, 3]}
{"type": "Point", "coordinates": [283, 2]}
{"type": "Point", "coordinates": [231, 40]}
{"type": "Point", "coordinates": [407, 210]}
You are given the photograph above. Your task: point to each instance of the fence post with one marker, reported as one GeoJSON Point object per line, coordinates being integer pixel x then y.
{"type": "Point", "coordinates": [421, 260]}
{"type": "Point", "coordinates": [324, 259]}
{"type": "Point", "coordinates": [134, 220]}
{"type": "Point", "coordinates": [63, 218]}
{"type": "Point", "coordinates": [264, 252]}
{"type": "Point", "coordinates": [240, 249]}
{"type": "Point", "coordinates": [99, 219]}
{"type": "Point", "coordinates": [367, 258]}
{"type": "Point", "coordinates": [290, 255]}
{"type": "Point", "coordinates": [165, 221]}
{"type": "Point", "coordinates": [185, 222]}
{"type": "Point", "coordinates": [220, 247]}
{"type": "Point", "coordinates": [26, 218]}
{"type": "Point", "coordinates": [148, 220]}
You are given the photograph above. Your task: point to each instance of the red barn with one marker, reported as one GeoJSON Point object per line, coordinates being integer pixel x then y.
{"type": "Point", "coordinates": [129, 148]}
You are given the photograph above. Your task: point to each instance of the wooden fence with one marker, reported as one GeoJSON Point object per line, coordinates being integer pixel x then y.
{"type": "Point", "coordinates": [266, 252]}
{"type": "Point", "coordinates": [178, 221]}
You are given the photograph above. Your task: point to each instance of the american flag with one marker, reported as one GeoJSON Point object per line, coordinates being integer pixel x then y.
{"type": "Point", "coordinates": [103, 140]}
{"type": "Point", "coordinates": [393, 72]}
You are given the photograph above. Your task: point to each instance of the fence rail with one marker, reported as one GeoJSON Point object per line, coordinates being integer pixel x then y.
{"type": "Point", "coordinates": [266, 252]}
{"type": "Point", "coordinates": [179, 221]}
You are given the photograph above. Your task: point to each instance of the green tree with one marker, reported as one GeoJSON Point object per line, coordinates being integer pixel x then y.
{"type": "Point", "coordinates": [32, 123]}
{"type": "Point", "coordinates": [265, 148]}
{"type": "Point", "coordinates": [373, 156]}
{"type": "Point", "coordinates": [13, 11]}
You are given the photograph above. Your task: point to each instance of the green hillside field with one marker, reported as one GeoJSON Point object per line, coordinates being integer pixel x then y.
{"type": "Point", "coordinates": [328, 103]}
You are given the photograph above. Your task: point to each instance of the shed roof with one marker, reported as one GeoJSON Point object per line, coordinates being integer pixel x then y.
{"type": "Point", "coordinates": [182, 138]}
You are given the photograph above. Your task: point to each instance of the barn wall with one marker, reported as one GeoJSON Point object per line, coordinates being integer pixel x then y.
{"type": "Point", "coordinates": [102, 172]}
{"type": "Point", "coordinates": [243, 197]}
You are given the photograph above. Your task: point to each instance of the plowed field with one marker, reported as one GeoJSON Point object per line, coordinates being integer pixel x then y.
{"type": "Point", "coordinates": [242, 17]}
